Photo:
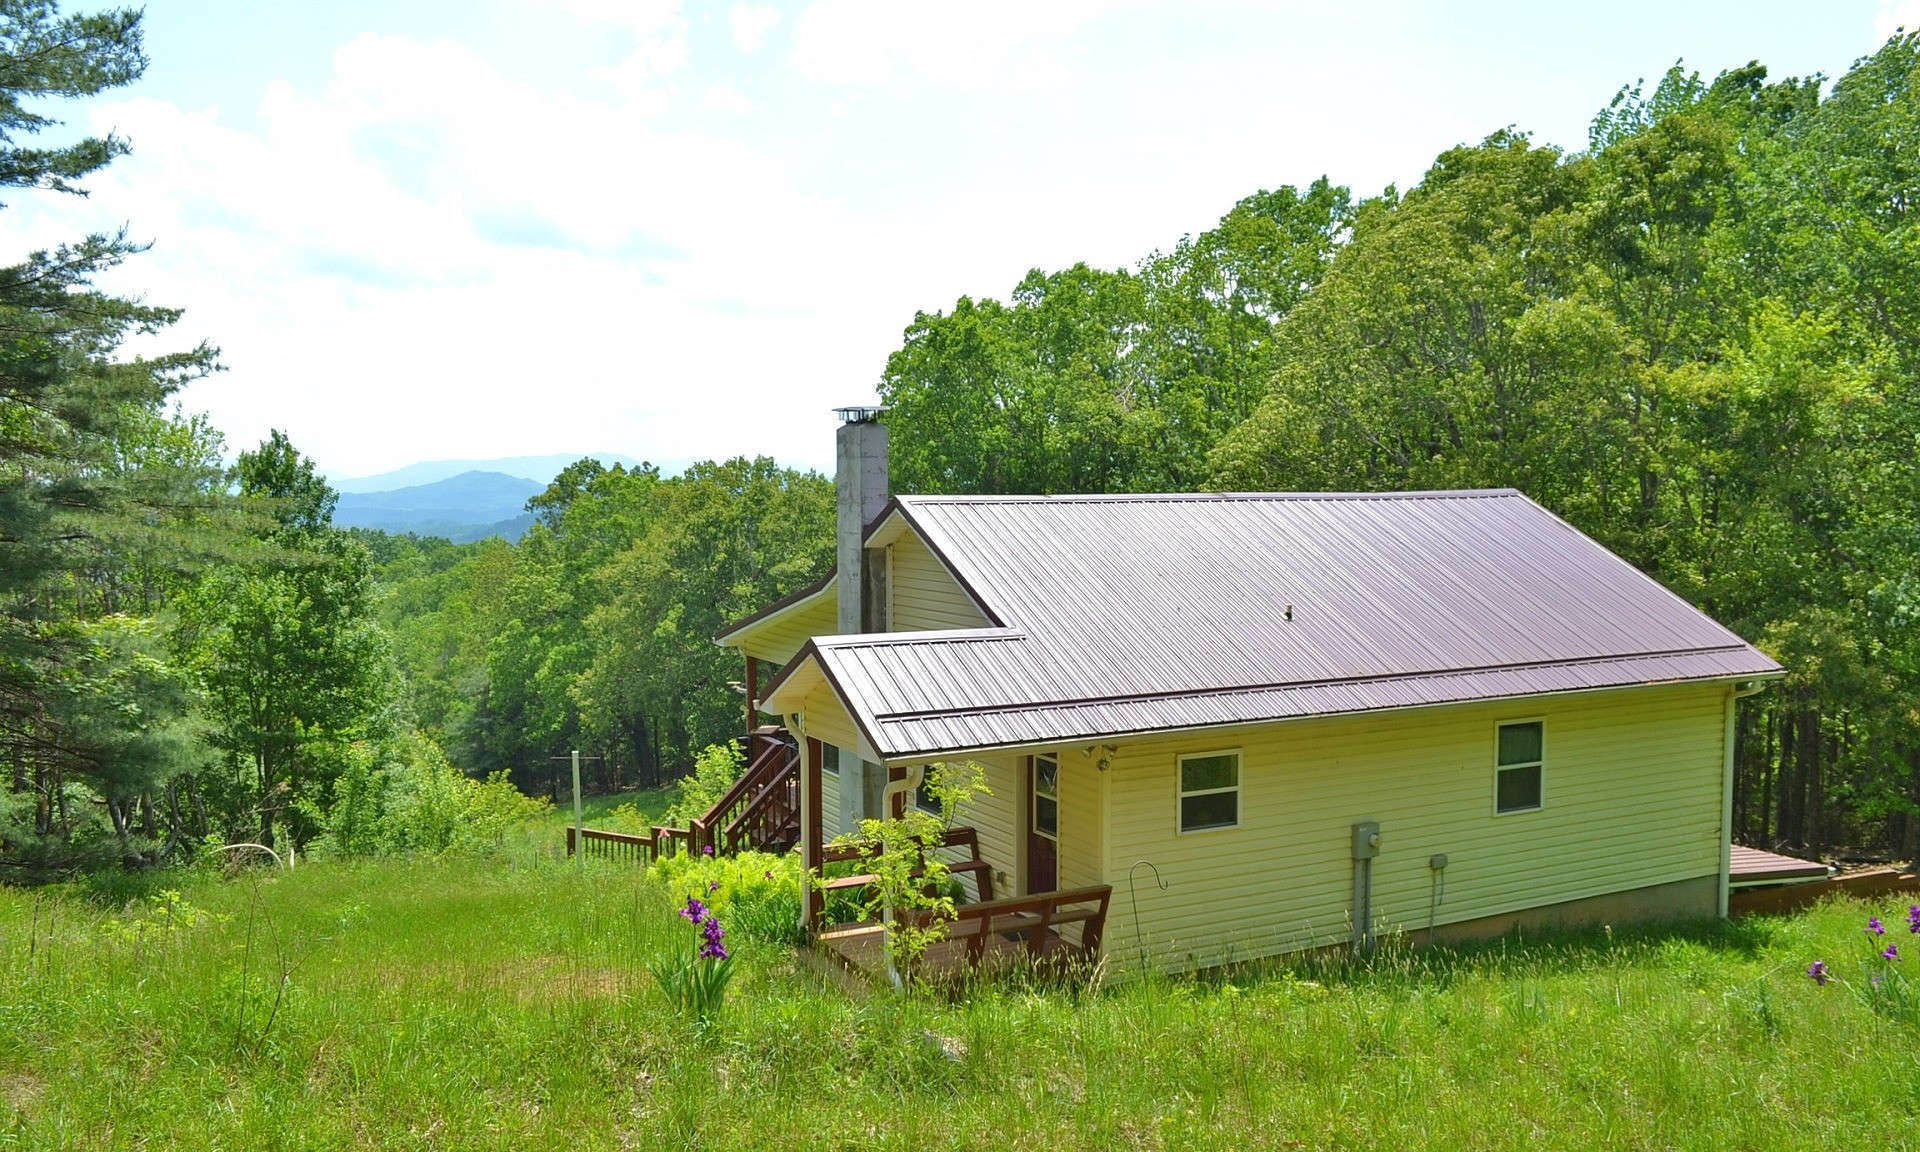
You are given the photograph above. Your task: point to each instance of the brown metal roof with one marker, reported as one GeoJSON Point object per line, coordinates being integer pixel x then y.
{"type": "Point", "coordinates": [1130, 614]}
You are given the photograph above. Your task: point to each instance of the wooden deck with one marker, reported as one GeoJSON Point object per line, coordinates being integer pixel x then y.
{"type": "Point", "coordinates": [1752, 866]}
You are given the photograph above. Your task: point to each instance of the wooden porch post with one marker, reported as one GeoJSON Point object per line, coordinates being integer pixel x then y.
{"type": "Point", "coordinates": [753, 701]}
{"type": "Point", "coordinates": [812, 848]}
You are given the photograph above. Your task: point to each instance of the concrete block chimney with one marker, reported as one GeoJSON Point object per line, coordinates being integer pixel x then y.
{"type": "Point", "coordinates": [860, 494]}
{"type": "Point", "coordinates": [860, 484]}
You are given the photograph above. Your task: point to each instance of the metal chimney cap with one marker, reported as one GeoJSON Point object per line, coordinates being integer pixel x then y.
{"type": "Point", "coordinates": [859, 414]}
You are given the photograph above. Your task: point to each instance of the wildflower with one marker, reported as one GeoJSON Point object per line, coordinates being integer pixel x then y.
{"type": "Point", "coordinates": [1817, 972]}
{"type": "Point", "coordinates": [695, 911]}
{"type": "Point", "coordinates": [1916, 917]}
{"type": "Point", "coordinates": [712, 887]}
{"type": "Point", "coordinates": [1892, 952]}
{"type": "Point", "coordinates": [1874, 926]}
{"type": "Point", "coordinates": [706, 849]}
{"type": "Point", "coordinates": [715, 946]}
{"type": "Point", "coordinates": [1913, 917]}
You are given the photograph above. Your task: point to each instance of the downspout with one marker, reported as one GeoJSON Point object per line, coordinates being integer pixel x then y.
{"type": "Point", "coordinates": [1737, 693]}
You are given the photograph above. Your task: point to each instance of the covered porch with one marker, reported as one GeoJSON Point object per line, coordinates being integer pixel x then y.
{"type": "Point", "coordinates": [1024, 853]}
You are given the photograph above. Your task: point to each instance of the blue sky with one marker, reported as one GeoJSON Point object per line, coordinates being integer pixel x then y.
{"type": "Point", "coordinates": [425, 230]}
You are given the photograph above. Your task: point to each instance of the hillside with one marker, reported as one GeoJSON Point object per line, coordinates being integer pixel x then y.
{"type": "Point", "coordinates": [469, 506]}
{"type": "Point", "coordinates": [505, 1002]}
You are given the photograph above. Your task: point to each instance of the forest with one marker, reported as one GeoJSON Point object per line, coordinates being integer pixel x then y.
{"type": "Point", "coordinates": [1697, 339]}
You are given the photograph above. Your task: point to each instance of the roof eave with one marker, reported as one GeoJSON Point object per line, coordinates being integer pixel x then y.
{"type": "Point", "coordinates": [915, 756]}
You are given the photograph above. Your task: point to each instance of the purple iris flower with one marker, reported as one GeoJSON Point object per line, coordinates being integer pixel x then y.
{"type": "Point", "coordinates": [1913, 917]}
{"type": "Point", "coordinates": [1874, 926]}
{"type": "Point", "coordinates": [712, 887]}
{"type": "Point", "coordinates": [1817, 972]}
{"type": "Point", "coordinates": [695, 911]}
{"type": "Point", "coordinates": [1892, 952]}
{"type": "Point", "coordinates": [715, 946]}
{"type": "Point", "coordinates": [1916, 911]}
{"type": "Point", "coordinates": [706, 849]}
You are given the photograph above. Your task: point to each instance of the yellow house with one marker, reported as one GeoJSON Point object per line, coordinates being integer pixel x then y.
{"type": "Point", "coordinates": [1269, 721]}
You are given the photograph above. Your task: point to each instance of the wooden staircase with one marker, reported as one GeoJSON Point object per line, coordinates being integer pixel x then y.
{"type": "Point", "coordinates": [760, 813]}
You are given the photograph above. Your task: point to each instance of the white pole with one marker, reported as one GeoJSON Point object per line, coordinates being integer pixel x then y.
{"type": "Point", "coordinates": [579, 836]}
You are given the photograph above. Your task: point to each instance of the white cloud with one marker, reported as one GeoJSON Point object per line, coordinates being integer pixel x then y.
{"type": "Point", "coordinates": [726, 98]}
{"type": "Point", "coordinates": [439, 249]}
{"type": "Point", "coordinates": [1005, 44]}
{"type": "Point", "coordinates": [1895, 15]}
{"type": "Point", "coordinates": [751, 23]}
{"type": "Point", "coordinates": [397, 264]}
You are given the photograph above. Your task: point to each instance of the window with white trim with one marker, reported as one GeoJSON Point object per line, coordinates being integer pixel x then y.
{"type": "Point", "coordinates": [1209, 791]}
{"type": "Point", "coordinates": [1046, 795]}
{"type": "Point", "coordinates": [1519, 766]}
{"type": "Point", "coordinates": [830, 759]}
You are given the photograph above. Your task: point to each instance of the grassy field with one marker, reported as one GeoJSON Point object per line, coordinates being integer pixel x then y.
{"type": "Point", "coordinates": [505, 1003]}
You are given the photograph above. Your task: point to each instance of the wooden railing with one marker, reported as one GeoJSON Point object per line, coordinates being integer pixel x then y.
{"type": "Point", "coordinates": [980, 930]}
{"type": "Point", "coordinates": [758, 810]}
{"type": "Point", "coordinates": [965, 840]}
{"type": "Point", "coordinates": [617, 846]}
{"type": "Point", "coordinates": [1038, 931]}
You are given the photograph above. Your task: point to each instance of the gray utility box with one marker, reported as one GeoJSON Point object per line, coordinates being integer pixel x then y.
{"type": "Point", "coordinates": [1366, 840]}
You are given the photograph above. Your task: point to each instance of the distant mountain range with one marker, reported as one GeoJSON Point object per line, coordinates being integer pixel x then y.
{"type": "Point", "coordinates": [540, 468]}
{"type": "Point", "coordinates": [460, 499]}
{"type": "Point", "coordinates": [467, 506]}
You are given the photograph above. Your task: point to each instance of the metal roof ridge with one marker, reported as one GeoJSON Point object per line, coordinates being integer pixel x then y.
{"type": "Point", "coordinates": [1291, 685]}
{"type": "Point", "coordinates": [1205, 497]}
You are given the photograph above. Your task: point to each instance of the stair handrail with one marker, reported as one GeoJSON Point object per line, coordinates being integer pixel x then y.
{"type": "Point", "coordinates": [761, 800]}
{"type": "Point", "coordinates": [774, 755]}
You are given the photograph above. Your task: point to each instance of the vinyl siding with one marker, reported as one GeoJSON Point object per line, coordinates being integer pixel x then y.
{"type": "Point", "coordinates": [1081, 826]}
{"type": "Point", "coordinates": [996, 816]}
{"type": "Point", "coordinates": [921, 594]}
{"type": "Point", "coordinates": [779, 636]}
{"type": "Point", "coordinates": [826, 719]}
{"type": "Point", "coordinates": [830, 804]}
{"type": "Point", "coordinates": [1632, 786]}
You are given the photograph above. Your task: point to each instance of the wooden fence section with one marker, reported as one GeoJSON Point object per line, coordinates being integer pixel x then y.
{"type": "Point", "coordinates": [616, 846]}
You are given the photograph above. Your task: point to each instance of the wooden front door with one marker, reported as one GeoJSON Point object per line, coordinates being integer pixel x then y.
{"type": "Point", "coordinates": [1043, 823]}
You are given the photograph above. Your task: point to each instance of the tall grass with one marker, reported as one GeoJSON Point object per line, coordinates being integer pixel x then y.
{"type": "Point", "coordinates": [504, 1003]}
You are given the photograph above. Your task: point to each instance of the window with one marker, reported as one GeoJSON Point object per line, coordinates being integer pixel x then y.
{"type": "Point", "coordinates": [829, 759]}
{"type": "Point", "coordinates": [1209, 791]}
{"type": "Point", "coordinates": [923, 797]}
{"type": "Point", "coordinates": [1046, 796]}
{"type": "Point", "coordinates": [1519, 754]}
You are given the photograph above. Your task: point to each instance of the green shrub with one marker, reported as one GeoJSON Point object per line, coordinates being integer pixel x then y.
{"type": "Point", "coordinates": [757, 893]}
{"type": "Point", "coordinates": [715, 770]}
{"type": "Point", "coordinates": [407, 797]}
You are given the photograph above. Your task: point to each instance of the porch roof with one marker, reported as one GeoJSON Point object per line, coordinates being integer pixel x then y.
{"type": "Point", "coordinates": [1137, 614]}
